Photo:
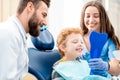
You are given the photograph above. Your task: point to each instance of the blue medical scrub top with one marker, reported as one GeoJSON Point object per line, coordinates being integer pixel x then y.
{"type": "Point", "coordinates": [107, 51]}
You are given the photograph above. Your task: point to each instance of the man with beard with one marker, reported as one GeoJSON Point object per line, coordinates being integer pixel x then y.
{"type": "Point", "coordinates": [30, 16]}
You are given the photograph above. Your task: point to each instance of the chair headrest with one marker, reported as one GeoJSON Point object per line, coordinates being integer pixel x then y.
{"type": "Point", "coordinates": [41, 62]}
{"type": "Point", "coordinates": [44, 41]}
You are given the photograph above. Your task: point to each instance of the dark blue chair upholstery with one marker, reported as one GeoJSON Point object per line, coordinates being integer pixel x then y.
{"type": "Point", "coordinates": [44, 41]}
{"type": "Point", "coordinates": [41, 62]}
{"type": "Point", "coordinates": [42, 58]}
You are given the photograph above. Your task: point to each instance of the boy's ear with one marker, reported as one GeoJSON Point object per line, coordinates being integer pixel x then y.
{"type": "Point", "coordinates": [62, 47]}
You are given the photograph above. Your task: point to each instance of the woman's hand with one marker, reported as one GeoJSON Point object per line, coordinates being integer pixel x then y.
{"type": "Point", "coordinates": [98, 64]}
{"type": "Point", "coordinates": [114, 67]}
{"type": "Point", "coordinates": [98, 67]}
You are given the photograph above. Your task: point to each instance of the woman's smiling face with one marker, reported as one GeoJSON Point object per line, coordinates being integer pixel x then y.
{"type": "Point", "coordinates": [92, 19]}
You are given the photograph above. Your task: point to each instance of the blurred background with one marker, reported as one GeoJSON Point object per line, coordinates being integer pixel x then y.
{"type": "Point", "coordinates": [65, 13]}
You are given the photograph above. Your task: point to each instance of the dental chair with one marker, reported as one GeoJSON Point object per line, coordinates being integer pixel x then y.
{"type": "Point", "coordinates": [43, 56]}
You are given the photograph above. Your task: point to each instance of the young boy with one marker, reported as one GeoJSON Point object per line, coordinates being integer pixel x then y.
{"type": "Point", "coordinates": [71, 45]}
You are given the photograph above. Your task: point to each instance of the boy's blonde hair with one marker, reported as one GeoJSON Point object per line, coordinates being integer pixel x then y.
{"type": "Point", "coordinates": [64, 34]}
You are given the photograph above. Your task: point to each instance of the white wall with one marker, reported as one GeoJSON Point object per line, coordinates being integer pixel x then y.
{"type": "Point", "coordinates": [64, 13]}
{"type": "Point", "coordinates": [7, 8]}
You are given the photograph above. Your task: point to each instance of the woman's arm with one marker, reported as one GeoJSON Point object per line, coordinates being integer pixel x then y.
{"type": "Point", "coordinates": [114, 67]}
{"type": "Point", "coordinates": [114, 63]}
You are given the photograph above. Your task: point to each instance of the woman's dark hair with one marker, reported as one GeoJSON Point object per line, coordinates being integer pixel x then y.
{"type": "Point", "coordinates": [105, 24]}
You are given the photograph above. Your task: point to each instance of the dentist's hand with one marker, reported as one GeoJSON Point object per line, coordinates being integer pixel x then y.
{"type": "Point", "coordinates": [98, 64]}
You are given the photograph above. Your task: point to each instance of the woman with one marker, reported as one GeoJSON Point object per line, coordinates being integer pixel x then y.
{"type": "Point", "coordinates": [94, 17]}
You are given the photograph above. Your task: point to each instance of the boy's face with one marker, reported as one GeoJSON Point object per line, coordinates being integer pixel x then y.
{"type": "Point", "coordinates": [74, 46]}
